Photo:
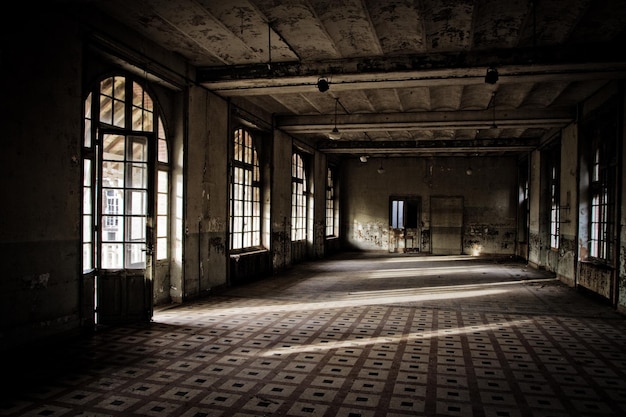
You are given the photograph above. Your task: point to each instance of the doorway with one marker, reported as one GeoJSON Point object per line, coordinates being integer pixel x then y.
{"type": "Point", "coordinates": [404, 224]}
{"type": "Point", "coordinates": [124, 231]}
{"type": "Point", "coordinates": [446, 224]}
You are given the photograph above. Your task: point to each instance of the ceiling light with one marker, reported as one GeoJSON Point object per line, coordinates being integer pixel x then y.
{"type": "Point", "coordinates": [322, 85]}
{"type": "Point", "coordinates": [363, 158]}
{"type": "Point", "coordinates": [493, 96]}
{"type": "Point", "coordinates": [492, 75]}
{"type": "Point", "coordinates": [381, 170]}
{"type": "Point", "coordinates": [335, 134]}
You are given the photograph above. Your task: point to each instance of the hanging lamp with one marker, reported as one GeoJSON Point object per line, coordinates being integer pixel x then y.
{"type": "Point", "coordinates": [335, 134]}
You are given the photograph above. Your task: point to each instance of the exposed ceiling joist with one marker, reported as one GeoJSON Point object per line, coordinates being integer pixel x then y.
{"type": "Point", "coordinates": [427, 147]}
{"type": "Point", "coordinates": [401, 72]}
{"type": "Point", "coordinates": [442, 120]}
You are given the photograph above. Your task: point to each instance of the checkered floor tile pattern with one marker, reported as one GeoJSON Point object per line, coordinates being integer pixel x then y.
{"type": "Point", "coordinates": [348, 337]}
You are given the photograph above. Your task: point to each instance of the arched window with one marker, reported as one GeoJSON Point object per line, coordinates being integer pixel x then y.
{"type": "Point", "coordinates": [245, 195]}
{"type": "Point", "coordinates": [125, 177]}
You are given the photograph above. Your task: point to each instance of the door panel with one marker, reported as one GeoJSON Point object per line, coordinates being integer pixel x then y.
{"type": "Point", "coordinates": [446, 225]}
{"type": "Point", "coordinates": [125, 210]}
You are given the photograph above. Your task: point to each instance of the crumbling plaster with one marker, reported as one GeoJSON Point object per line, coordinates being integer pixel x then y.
{"type": "Point", "coordinates": [489, 203]}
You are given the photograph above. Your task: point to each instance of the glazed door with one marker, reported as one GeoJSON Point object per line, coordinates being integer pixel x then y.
{"type": "Point", "coordinates": [124, 228]}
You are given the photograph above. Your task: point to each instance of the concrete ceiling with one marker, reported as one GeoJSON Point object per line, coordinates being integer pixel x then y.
{"type": "Point", "coordinates": [406, 77]}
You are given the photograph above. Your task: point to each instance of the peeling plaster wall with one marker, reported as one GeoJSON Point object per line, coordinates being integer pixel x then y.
{"type": "Point", "coordinates": [281, 202]}
{"type": "Point", "coordinates": [319, 200]}
{"type": "Point", "coordinates": [40, 237]}
{"type": "Point", "coordinates": [568, 247]}
{"type": "Point", "coordinates": [536, 256]}
{"type": "Point", "coordinates": [206, 199]}
{"type": "Point", "coordinates": [621, 283]}
{"type": "Point", "coordinates": [489, 196]}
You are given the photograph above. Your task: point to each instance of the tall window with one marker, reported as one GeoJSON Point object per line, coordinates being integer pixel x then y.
{"type": "Point", "coordinates": [330, 203]}
{"type": "Point", "coordinates": [298, 198]}
{"type": "Point", "coordinates": [116, 166]}
{"type": "Point", "coordinates": [554, 172]}
{"type": "Point", "coordinates": [603, 173]}
{"type": "Point", "coordinates": [245, 196]}
{"type": "Point", "coordinates": [397, 214]}
{"type": "Point", "coordinates": [554, 206]}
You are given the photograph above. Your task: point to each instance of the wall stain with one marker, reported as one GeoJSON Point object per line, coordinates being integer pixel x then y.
{"type": "Point", "coordinates": [218, 244]}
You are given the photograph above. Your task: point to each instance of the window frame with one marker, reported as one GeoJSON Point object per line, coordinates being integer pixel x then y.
{"type": "Point", "coordinates": [133, 108]}
{"type": "Point", "coordinates": [246, 186]}
{"type": "Point", "coordinates": [602, 199]}
{"type": "Point", "coordinates": [331, 202]}
{"type": "Point", "coordinates": [555, 199]}
{"type": "Point", "coordinates": [299, 197]}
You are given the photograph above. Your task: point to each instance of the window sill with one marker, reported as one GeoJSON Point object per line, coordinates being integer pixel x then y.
{"type": "Point", "coordinates": [598, 263]}
{"type": "Point", "coordinates": [247, 252]}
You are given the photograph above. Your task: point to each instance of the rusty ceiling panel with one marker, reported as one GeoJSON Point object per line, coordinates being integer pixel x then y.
{"type": "Point", "coordinates": [448, 24]}
{"type": "Point", "coordinates": [349, 25]}
{"type": "Point", "coordinates": [497, 23]}
{"type": "Point", "coordinates": [398, 25]}
{"type": "Point", "coordinates": [300, 27]}
{"type": "Point", "coordinates": [246, 22]}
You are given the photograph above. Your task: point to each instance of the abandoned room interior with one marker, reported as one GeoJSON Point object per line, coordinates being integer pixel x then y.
{"type": "Point", "coordinates": [314, 208]}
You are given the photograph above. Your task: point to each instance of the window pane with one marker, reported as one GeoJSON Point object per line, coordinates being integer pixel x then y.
{"type": "Point", "coordinates": [112, 228]}
{"type": "Point", "coordinates": [87, 258]}
{"type": "Point", "coordinates": [136, 229]}
{"type": "Point", "coordinates": [138, 149]}
{"type": "Point", "coordinates": [119, 113]}
{"type": "Point", "coordinates": [163, 151]}
{"type": "Point", "coordinates": [137, 118]}
{"type": "Point", "coordinates": [87, 172]}
{"type": "Point", "coordinates": [137, 176]}
{"type": "Point", "coordinates": [106, 110]}
{"type": "Point", "coordinates": [119, 88]}
{"type": "Point", "coordinates": [135, 255]}
{"type": "Point", "coordinates": [162, 226]}
{"type": "Point", "coordinates": [162, 182]}
{"type": "Point", "coordinates": [87, 134]}
{"type": "Point", "coordinates": [162, 204]}
{"type": "Point", "coordinates": [106, 87]}
{"type": "Point", "coordinates": [113, 147]}
{"type": "Point", "coordinates": [87, 228]}
{"type": "Point", "coordinates": [112, 202]}
{"type": "Point", "coordinates": [112, 256]}
{"type": "Point", "coordinates": [136, 202]}
{"type": "Point", "coordinates": [161, 248]}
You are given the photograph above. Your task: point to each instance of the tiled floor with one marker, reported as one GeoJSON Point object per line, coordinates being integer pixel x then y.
{"type": "Point", "coordinates": [368, 335]}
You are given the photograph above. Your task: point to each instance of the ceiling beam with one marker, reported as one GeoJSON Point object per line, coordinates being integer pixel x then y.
{"type": "Point", "coordinates": [479, 146]}
{"type": "Point", "coordinates": [480, 119]}
{"type": "Point", "coordinates": [555, 64]}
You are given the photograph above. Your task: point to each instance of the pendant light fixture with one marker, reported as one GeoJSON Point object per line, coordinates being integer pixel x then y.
{"type": "Point", "coordinates": [381, 170]}
{"type": "Point", "coordinates": [493, 99]}
{"type": "Point", "coordinates": [322, 85]}
{"type": "Point", "coordinates": [335, 134]}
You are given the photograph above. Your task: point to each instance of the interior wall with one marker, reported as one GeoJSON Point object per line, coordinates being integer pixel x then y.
{"type": "Point", "coordinates": [489, 195]}
{"type": "Point", "coordinates": [319, 205]}
{"type": "Point", "coordinates": [536, 256]}
{"type": "Point", "coordinates": [281, 202]}
{"type": "Point", "coordinates": [568, 182]}
{"type": "Point", "coordinates": [621, 287]}
{"type": "Point", "coordinates": [206, 203]}
{"type": "Point", "coordinates": [40, 238]}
